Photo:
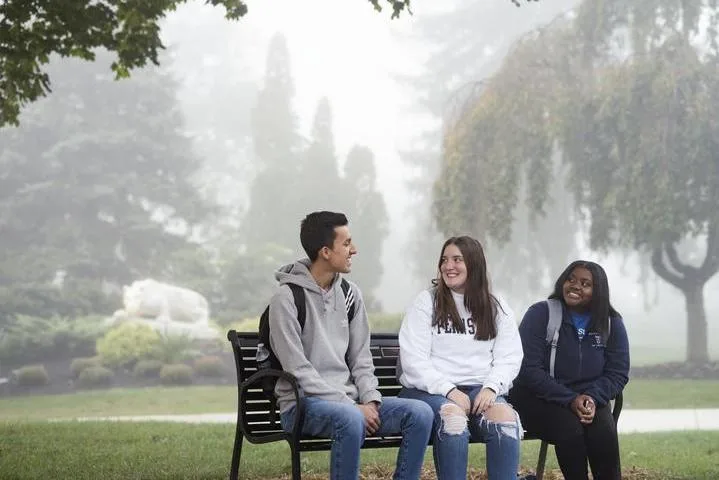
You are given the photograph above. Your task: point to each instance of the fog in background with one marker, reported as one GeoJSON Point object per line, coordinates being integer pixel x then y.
{"type": "Point", "coordinates": [359, 61]}
{"type": "Point", "coordinates": [376, 79]}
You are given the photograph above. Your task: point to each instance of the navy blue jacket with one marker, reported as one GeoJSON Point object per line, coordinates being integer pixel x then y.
{"type": "Point", "coordinates": [590, 367]}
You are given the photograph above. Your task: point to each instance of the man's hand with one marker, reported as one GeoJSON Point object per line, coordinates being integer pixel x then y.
{"type": "Point", "coordinates": [584, 407]}
{"type": "Point", "coordinates": [483, 400]}
{"type": "Point", "coordinates": [371, 417]}
{"type": "Point", "coordinates": [460, 398]}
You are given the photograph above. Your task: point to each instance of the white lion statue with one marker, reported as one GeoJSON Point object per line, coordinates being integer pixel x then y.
{"type": "Point", "coordinates": [166, 307]}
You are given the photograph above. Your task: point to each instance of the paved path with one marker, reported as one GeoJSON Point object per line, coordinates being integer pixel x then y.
{"type": "Point", "coordinates": [667, 420]}
{"type": "Point", "coordinates": [631, 421]}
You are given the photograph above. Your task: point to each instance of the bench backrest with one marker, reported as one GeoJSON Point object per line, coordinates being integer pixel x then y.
{"type": "Point", "coordinates": [256, 405]}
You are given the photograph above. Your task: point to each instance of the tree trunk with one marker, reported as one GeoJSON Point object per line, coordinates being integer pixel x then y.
{"type": "Point", "coordinates": [690, 281]}
{"type": "Point", "coordinates": [697, 340]}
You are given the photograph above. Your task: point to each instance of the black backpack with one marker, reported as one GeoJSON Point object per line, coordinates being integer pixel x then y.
{"type": "Point", "coordinates": [265, 357]}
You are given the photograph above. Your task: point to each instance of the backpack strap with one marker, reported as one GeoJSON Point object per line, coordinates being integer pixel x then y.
{"type": "Point", "coordinates": [350, 307]}
{"type": "Point", "coordinates": [299, 294]}
{"type": "Point", "coordinates": [300, 301]}
{"type": "Point", "coordinates": [349, 299]}
{"type": "Point", "coordinates": [553, 323]}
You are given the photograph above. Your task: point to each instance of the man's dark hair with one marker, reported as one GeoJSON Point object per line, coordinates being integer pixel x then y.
{"type": "Point", "coordinates": [317, 230]}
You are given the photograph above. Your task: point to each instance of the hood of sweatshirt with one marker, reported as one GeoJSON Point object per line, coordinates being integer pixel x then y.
{"type": "Point", "coordinates": [298, 273]}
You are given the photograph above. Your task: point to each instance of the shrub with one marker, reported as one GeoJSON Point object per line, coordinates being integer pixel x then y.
{"type": "Point", "coordinates": [77, 336]}
{"type": "Point", "coordinates": [209, 366]}
{"type": "Point", "coordinates": [34, 339]}
{"type": "Point", "coordinates": [25, 339]}
{"type": "Point", "coordinates": [31, 376]}
{"type": "Point", "coordinates": [176, 374]}
{"type": "Point", "coordinates": [147, 368]}
{"type": "Point", "coordinates": [97, 376]}
{"type": "Point", "coordinates": [244, 325]}
{"type": "Point", "coordinates": [80, 364]}
{"type": "Point", "coordinates": [124, 345]}
{"type": "Point", "coordinates": [215, 345]}
{"type": "Point", "coordinates": [174, 348]}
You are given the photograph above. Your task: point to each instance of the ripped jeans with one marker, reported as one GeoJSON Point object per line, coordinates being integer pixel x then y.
{"type": "Point", "coordinates": [451, 449]}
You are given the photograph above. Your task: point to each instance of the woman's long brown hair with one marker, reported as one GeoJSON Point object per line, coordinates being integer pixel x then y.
{"type": "Point", "coordinates": [478, 300]}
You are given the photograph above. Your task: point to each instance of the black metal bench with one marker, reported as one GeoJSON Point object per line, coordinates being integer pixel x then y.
{"type": "Point", "coordinates": [258, 424]}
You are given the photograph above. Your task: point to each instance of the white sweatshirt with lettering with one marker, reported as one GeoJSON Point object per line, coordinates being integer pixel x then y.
{"type": "Point", "coordinates": [436, 359]}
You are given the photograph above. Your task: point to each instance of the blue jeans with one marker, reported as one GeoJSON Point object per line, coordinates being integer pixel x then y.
{"type": "Point", "coordinates": [345, 425]}
{"type": "Point", "coordinates": [451, 449]}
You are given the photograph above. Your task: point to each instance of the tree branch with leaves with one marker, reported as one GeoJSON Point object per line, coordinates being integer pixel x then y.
{"type": "Point", "coordinates": [31, 32]}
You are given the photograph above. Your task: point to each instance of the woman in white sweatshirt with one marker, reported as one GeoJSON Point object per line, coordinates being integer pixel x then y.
{"type": "Point", "coordinates": [460, 351]}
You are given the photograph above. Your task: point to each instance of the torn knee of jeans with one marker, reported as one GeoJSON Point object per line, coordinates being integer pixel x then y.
{"type": "Point", "coordinates": [454, 420]}
{"type": "Point", "coordinates": [511, 429]}
{"type": "Point", "coordinates": [507, 428]}
{"type": "Point", "coordinates": [500, 413]}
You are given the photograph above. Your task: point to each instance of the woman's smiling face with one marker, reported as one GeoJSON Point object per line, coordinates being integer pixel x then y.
{"type": "Point", "coordinates": [453, 268]}
{"type": "Point", "coordinates": [578, 289]}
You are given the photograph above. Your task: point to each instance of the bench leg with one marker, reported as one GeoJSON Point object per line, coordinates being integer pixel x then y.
{"type": "Point", "coordinates": [542, 460]}
{"type": "Point", "coordinates": [236, 454]}
{"type": "Point", "coordinates": [296, 472]}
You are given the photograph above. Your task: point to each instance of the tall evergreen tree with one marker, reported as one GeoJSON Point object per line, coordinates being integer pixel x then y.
{"type": "Point", "coordinates": [369, 221]}
{"type": "Point", "coordinates": [274, 214]}
{"type": "Point", "coordinates": [96, 190]}
{"type": "Point", "coordinates": [319, 182]}
{"type": "Point", "coordinates": [293, 181]}
{"type": "Point", "coordinates": [355, 194]}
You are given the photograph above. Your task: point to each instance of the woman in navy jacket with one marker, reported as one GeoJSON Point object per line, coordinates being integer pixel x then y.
{"type": "Point", "coordinates": [572, 410]}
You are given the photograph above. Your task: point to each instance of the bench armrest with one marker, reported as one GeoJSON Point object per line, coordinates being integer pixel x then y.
{"type": "Point", "coordinates": [271, 372]}
{"type": "Point", "coordinates": [255, 381]}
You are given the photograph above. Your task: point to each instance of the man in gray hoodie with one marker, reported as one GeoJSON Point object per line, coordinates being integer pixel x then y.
{"type": "Point", "coordinates": [331, 359]}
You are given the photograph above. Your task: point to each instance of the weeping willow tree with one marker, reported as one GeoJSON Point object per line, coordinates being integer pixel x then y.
{"type": "Point", "coordinates": [625, 93]}
{"type": "Point", "coordinates": [498, 190]}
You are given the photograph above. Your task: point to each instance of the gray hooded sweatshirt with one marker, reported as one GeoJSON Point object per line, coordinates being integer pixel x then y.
{"type": "Point", "coordinates": [315, 355]}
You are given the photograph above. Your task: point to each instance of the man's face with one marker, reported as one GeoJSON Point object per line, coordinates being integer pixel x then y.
{"type": "Point", "coordinates": [340, 255]}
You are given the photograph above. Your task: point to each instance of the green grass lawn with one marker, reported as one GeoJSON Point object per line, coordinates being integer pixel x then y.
{"type": "Point", "coordinates": [74, 450]}
{"type": "Point", "coordinates": [120, 401]}
{"type": "Point", "coordinates": [672, 394]}
{"type": "Point", "coordinates": [214, 399]}
{"type": "Point", "coordinates": [664, 349]}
